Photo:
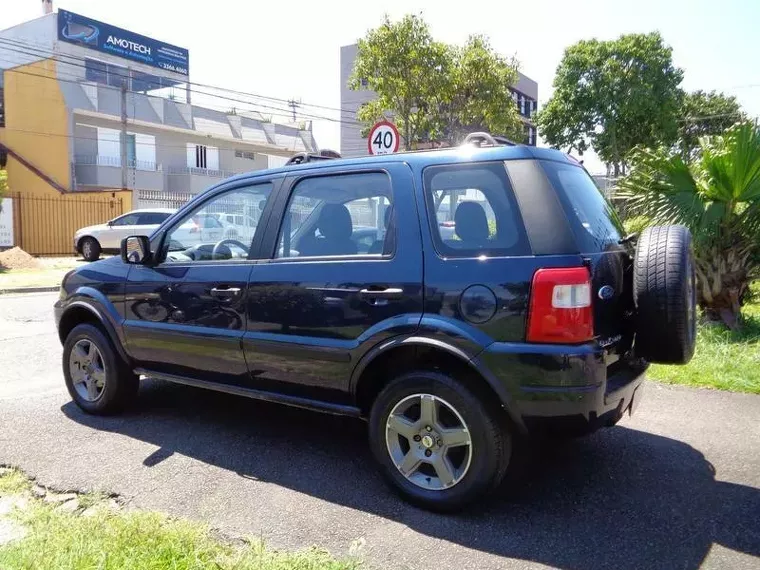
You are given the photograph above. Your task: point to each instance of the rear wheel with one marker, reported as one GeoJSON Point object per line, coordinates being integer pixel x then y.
{"type": "Point", "coordinates": [438, 444]}
{"type": "Point", "coordinates": [90, 249]}
{"type": "Point", "coordinates": [96, 378]}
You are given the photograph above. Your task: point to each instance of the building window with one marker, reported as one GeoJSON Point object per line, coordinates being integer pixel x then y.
{"type": "Point", "coordinates": [246, 155]}
{"type": "Point", "coordinates": [202, 156]}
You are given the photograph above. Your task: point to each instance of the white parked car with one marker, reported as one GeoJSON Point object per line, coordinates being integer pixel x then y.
{"type": "Point", "coordinates": [238, 226]}
{"type": "Point", "coordinates": [93, 240]}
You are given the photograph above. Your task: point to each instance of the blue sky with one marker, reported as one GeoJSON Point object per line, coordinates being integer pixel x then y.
{"type": "Point", "coordinates": [291, 49]}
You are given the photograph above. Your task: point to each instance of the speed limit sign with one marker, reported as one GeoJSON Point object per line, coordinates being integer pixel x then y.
{"type": "Point", "coordinates": [383, 138]}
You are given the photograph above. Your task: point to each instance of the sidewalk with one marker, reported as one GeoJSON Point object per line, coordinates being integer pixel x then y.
{"type": "Point", "coordinates": [39, 274]}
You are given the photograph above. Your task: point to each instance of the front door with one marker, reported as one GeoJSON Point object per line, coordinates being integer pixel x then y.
{"type": "Point", "coordinates": [185, 316]}
{"type": "Point", "coordinates": [327, 292]}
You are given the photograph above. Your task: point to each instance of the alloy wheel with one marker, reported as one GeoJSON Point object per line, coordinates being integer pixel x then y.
{"type": "Point", "coordinates": [88, 370]}
{"type": "Point", "coordinates": [428, 442]}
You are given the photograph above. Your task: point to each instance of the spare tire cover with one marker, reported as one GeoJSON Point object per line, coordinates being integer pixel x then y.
{"type": "Point", "coordinates": [664, 289]}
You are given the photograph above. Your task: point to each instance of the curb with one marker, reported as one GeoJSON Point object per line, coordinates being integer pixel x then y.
{"type": "Point", "coordinates": [30, 290]}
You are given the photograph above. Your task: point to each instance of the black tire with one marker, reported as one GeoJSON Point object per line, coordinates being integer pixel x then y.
{"type": "Point", "coordinates": [664, 289]}
{"type": "Point", "coordinates": [490, 450]}
{"type": "Point", "coordinates": [90, 248]}
{"type": "Point", "coordinates": [121, 385]}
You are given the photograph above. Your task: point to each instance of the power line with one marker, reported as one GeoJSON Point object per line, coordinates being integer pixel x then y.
{"type": "Point", "coordinates": [705, 117]}
{"type": "Point", "coordinates": [275, 111]}
{"type": "Point", "coordinates": [148, 144]}
{"type": "Point", "coordinates": [76, 79]}
{"type": "Point", "coordinates": [48, 53]}
{"type": "Point", "coordinates": [278, 110]}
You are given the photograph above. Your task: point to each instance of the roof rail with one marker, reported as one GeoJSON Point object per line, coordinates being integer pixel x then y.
{"type": "Point", "coordinates": [303, 157]}
{"type": "Point", "coordinates": [481, 138]}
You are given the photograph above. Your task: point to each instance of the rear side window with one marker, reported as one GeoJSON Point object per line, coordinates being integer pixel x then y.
{"type": "Point", "coordinates": [593, 219]}
{"type": "Point", "coordinates": [153, 218]}
{"type": "Point", "coordinates": [473, 211]}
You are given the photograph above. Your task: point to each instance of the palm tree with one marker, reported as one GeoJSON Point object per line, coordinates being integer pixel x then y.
{"type": "Point", "coordinates": [718, 198]}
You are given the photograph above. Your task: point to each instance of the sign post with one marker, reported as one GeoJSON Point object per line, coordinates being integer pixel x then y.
{"type": "Point", "coordinates": [383, 138]}
{"type": "Point", "coordinates": [7, 238]}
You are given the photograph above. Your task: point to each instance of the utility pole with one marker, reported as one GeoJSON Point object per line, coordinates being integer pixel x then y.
{"type": "Point", "coordinates": [123, 136]}
{"type": "Point", "coordinates": [293, 104]}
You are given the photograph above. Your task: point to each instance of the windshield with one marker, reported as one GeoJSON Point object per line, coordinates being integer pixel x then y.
{"type": "Point", "coordinates": [593, 219]}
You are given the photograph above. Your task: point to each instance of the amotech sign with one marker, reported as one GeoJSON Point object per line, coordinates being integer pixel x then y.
{"type": "Point", "coordinates": [92, 34]}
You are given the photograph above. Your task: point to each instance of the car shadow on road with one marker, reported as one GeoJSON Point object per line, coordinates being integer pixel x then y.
{"type": "Point", "coordinates": [621, 498]}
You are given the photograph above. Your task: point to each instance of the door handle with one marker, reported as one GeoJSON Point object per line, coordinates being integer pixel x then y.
{"type": "Point", "coordinates": [389, 293]}
{"type": "Point", "coordinates": [225, 292]}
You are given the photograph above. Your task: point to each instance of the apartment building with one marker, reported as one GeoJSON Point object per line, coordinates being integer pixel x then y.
{"type": "Point", "coordinates": [92, 107]}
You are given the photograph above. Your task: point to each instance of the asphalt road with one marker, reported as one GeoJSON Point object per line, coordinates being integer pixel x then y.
{"type": "Point", "coordinates": [676, 486]}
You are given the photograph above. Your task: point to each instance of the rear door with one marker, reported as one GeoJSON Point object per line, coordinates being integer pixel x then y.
{"type": "Point", "coordinates": [598, 232]}
{"type": "Point", "coordinates": [320, 300]}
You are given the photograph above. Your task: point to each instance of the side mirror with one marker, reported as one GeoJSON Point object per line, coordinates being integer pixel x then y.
{"type": "Point", "coordinates": [135, 250]}
{"type": "Point", "coordinates": [109, 223]}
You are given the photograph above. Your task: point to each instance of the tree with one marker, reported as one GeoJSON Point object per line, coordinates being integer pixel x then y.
{"type": "Point", "coordinates": [434, 91]}
{"type": "Point", "coordinates": [703, 114]}
{"type": "Point", "coordinates": [476, 95]}
{"type": "Point", "coordinates": [718, 198]}
{"type": "Point", "coordinates": [612, 96]}
{"type": "Point", "coordinates": [403, 64]}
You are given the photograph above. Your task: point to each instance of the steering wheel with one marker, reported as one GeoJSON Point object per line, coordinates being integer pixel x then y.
{"type": "Point", "coordinates": [218, 246]}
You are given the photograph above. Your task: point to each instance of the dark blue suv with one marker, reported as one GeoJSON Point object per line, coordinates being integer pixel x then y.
{"type": "Point", "coordinates": [456, 299]}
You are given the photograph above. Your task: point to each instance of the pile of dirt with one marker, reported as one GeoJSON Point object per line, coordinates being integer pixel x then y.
{"type": "Point", "coordinates": [17, 258]}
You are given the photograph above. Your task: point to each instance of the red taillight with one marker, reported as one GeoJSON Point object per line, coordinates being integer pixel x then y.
{"type": "Point", "coordinates": [560, 306]}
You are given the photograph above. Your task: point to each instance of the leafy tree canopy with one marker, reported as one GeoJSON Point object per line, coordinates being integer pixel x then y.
{"type": "Point", "coordinates": [434, 91]}
{"type": "Point", "coordinates": [704, 114]}
{"type": "Point", "coordinates": [612, 96]}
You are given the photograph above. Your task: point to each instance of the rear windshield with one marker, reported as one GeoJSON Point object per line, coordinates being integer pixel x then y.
{"type": "Point", "coordinates": [593, 219]}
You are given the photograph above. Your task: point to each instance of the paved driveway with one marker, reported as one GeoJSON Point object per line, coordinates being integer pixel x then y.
{"type": "Point", "coordinates": [674, 487]}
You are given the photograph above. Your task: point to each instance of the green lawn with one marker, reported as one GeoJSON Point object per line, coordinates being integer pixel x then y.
{"type": "Point", "coordinates": [108, 538]}
{"type": "Point", "coordinates": [724, 360]}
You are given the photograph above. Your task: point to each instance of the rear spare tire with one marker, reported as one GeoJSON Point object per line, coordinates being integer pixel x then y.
{"type": "Point", "coordinates": [664, 289]}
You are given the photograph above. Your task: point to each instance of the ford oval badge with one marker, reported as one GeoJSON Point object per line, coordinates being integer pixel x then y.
{"type": "Point", "coordinates": [606, 293]}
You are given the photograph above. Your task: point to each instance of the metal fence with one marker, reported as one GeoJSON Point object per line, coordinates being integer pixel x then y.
{"type": "Point", "coordinates": [160, 199]}
{"type": "Point", "coordinates": [45, 225]}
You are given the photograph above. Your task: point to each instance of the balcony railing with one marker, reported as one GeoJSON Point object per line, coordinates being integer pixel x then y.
{"type": "Point", "coordinates": [200, 172]}
{"type": "Point", "coordinates": [115, 161]}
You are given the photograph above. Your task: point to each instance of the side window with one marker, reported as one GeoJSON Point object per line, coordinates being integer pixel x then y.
{"type": "Point", "coordinates": [152, 218]}
{"type": "Point", "coordinates": [342, 215]}
{"type": "Point", "coordinates": [201, 236]}
{"type": "Point", "coordinates": [473, 211]}
{"type": "Point", "coordinates": [128, 220]}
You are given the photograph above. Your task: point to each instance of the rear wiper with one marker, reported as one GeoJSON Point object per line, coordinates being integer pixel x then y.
{"type": "Point", "coordinates": [628, 238]}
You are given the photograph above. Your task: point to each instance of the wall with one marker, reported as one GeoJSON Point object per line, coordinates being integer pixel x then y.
{"type": "Point", "coordinates": [37, 128]}
{"type": "Point", "coordinates": [39, 33]}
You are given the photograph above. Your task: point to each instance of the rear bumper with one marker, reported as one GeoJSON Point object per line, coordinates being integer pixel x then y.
{"type": "Point", "coordinates": [564, 388]}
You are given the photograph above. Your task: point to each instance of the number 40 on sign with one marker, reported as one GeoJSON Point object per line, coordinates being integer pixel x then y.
{"type": "Point", "coordinates": [383, 138]}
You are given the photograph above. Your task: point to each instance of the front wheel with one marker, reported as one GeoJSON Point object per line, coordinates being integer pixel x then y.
{"type": "Point", "coordinates": [438, 443]}
{"type": "Point", "coordinates": [96, 378]}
